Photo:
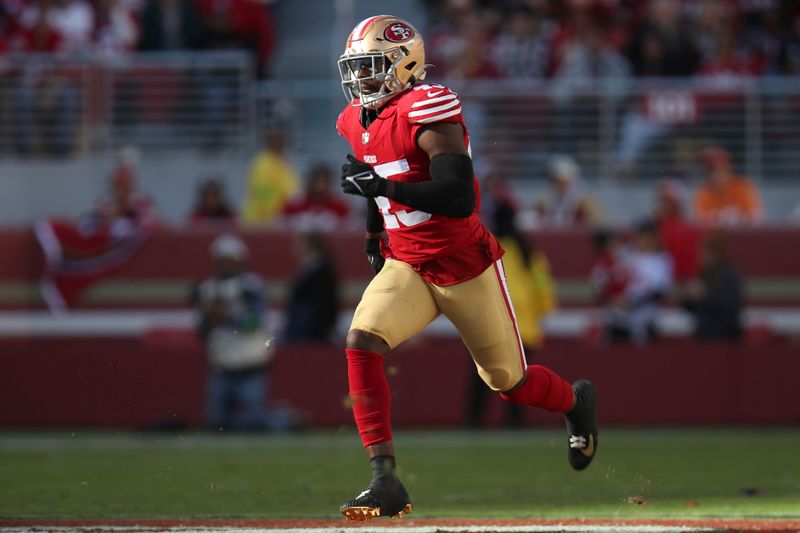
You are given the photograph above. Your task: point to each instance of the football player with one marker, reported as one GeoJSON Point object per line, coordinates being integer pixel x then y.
{"type": "Point", "coordinates": [412, 162]}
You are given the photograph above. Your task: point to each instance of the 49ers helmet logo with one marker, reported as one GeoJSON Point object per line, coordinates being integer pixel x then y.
{"type": "Point", "coordinates": [398, 32]}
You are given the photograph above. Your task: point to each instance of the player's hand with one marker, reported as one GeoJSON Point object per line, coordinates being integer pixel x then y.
{"type": "Point", "coordinates": [372, 247]}
{"type": "Point", "coordinates": [359, 178]}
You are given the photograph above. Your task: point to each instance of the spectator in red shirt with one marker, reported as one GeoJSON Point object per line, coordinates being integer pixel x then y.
{"type": "Point", "coordinates": [680, 238]}
{"type": "Point", "coordinates": [318, 208]}
{"type": "Point", "coordinates": [239, 24]}
{"type": "Point", "coordinates": [730, 62]}
{"type": "Point", "coordinates": [460, 46]}
{"type": "Point", "coordinates": [40, 36]}
{"type": "Point", "coordinates": [46, 100]}
{"type": "Point", "coordinates": [609, 275]}
{"type": "Point", "coordinates": [633, 282]}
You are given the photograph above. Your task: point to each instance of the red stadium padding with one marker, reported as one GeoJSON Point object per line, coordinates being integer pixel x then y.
{"type": "Point", "coordinates": [757, 252]}
{"type": "Point", "coordinates": [157, 381]}
{"type": "Point", "coordinates": [180, 256]}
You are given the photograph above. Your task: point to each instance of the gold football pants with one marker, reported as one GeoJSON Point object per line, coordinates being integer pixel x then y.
{"type": "Point", "coordinates": [398, 304]}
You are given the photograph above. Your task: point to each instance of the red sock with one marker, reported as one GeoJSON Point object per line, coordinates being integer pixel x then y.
{"type": "Point", "coordinates": [369, 392]}
{"type": "Point", "coordinates": [543, 388]}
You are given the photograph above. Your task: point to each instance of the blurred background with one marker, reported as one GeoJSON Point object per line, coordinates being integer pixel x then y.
{"type": "Point", "coordinates": [176, 252]}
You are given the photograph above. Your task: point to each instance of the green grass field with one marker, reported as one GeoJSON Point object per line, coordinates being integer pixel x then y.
{"type": "Point", "coordinates": [638, 473]}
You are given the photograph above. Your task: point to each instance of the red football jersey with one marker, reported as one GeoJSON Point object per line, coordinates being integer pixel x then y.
{"type": "Point", "coordinates": [443, 250]}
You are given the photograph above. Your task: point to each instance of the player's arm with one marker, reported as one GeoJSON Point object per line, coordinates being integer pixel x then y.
{"type": "Point", "coordinates": [450, 192]}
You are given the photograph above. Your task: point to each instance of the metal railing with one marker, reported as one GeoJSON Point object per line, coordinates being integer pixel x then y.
{"type": "Point", "coordinates": [648, 129]}
{"type": "Point", "coordinates": [638, 129]}
{"type": "Point", "coordinates": [64, 106]}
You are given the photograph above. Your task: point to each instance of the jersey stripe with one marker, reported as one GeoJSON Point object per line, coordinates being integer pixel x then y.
{"type": "Point", "coordinates": [435, 118]}
{"type": "Point", "coordinates": [429, 110]}
{"type": "Point", "coordinates": [501, 277]}
{"type": "Point", "coordinates": [434, 100]}
{"type": "Point", "coordinates": [391, 168]}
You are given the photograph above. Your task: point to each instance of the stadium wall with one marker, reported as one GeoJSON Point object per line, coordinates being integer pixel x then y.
{"type": "Point", "coordinates": [156, 381]}
{"type": "Point", "coordinates": [162, 273]}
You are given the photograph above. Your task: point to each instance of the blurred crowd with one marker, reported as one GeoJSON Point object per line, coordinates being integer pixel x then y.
{"type": "Point", "coordinates": [590, 39]}
{"type": "Point", "coordinates": [87, 27]}
{"type": "Point", "coordinates": [47, 106]}
{"type": "Point", "coordinates": [722, 198]}
{"type": "Point", "coordinates": [278, 195]}
{"type": "Point", "coordinates": [673, 256]}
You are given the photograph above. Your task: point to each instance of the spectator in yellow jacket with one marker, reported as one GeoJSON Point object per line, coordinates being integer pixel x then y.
{"type": "Point", "coordinates": [532, 289]}
{"type": "Point", "coordinates": [271, 181]}
{"type": "Point", "coordinates": [529, 281]}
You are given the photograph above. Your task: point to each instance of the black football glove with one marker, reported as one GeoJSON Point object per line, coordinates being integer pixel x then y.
{"type": "Point", "coordinates": [359, 178]}
{"type": "Point", "coordinates": [373, 249]}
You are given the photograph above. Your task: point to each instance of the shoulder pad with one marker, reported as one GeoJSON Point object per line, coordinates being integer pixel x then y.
{"type": "Point", "coordinates": [430, 103]}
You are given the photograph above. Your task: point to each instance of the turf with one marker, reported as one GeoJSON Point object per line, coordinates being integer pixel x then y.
{"type": "Point", "coordinates": [638, 473]}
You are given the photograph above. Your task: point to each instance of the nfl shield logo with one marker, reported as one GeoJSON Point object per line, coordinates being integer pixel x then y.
{"type": "Point", "coordinates": [365, 137]}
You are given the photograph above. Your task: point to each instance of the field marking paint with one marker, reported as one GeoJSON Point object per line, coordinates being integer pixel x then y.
{"type": "Point", "coordinates": [586, 528]}
{"type": "Point", "coordinates": [420, 525]}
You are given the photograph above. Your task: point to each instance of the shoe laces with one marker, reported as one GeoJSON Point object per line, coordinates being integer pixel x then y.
{"type": "Point", "coordinates": [577, 442]}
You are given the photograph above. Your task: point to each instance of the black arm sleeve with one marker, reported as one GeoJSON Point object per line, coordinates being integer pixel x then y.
{"type": "Point", "coordinates": [450, 192]}
{"type": "Point", "coordinates": [374, 217]}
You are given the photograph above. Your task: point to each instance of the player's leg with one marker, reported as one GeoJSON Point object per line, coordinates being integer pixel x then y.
{"type": "Point", "coordinates": [396, 305]}
{"type": "Point", "coordinates": [490, 332]}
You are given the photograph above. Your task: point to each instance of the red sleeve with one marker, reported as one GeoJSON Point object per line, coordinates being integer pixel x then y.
{"type": "Point", "coordinates": [339, 129]}
{"type": "Point", "coordinates": [432, 104]}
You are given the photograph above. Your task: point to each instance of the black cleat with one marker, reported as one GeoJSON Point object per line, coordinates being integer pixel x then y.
{"type": "Point", "coordinates": [582, 426]}
{"type": "Point", "coordinates": [383, 497]}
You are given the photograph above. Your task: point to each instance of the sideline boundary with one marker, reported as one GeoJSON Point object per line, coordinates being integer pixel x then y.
{"type": "Point", "coordinates": [424, 525]}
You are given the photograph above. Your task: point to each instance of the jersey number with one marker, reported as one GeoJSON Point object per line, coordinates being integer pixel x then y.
{"type": "Point", "coordinates": [399, 218]}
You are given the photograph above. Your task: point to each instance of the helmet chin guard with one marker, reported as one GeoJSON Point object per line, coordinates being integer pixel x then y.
{"type": "Point", "coordinates": [366, 79]}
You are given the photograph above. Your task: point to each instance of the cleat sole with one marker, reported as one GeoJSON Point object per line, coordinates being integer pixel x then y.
{"type": "Point", "coordinates": [362, 514]}
{"type": "Point", "coordinates": [406, 510]}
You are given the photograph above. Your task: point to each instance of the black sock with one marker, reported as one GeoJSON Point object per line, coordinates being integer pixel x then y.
{"type": "Point", "coordinates": [383, 466]}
